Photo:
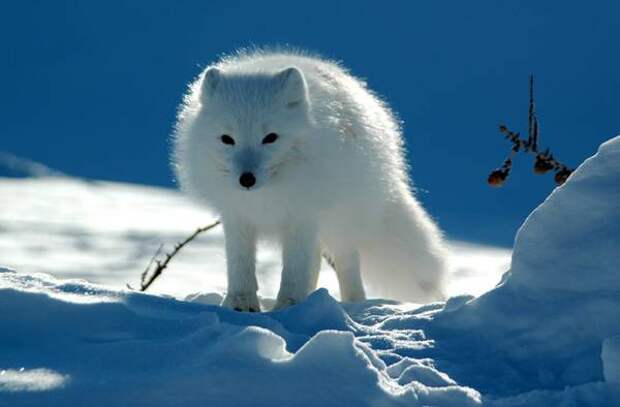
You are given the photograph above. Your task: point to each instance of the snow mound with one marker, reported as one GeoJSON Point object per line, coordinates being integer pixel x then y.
{"type": "Point", "coordinates": [572, 241]}
{"type": "Point", "coordinates": [98, 346]}
{"type": "Point", "coordinates": [538, 336]}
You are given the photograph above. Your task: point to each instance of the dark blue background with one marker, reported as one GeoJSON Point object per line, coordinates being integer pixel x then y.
{"type": "Point", "coordinates": [91, 88]}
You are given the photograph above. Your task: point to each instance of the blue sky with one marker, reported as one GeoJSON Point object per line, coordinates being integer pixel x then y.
{"type": "Point", "coordinates": [91, 88]}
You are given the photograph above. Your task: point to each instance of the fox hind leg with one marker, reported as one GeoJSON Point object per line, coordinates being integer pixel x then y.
{"type": "Point", "coordinates": [347, 265]}
{"type": "Point", "coordinates": [301, 258]}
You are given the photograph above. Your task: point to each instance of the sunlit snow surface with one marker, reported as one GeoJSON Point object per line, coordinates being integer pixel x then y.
{"type": "Point", "coordinates": [547, 336]}
{"type": "Point", "coordinates": [28, 380]}
{"type": "Point", "coordinates": [106, 233]}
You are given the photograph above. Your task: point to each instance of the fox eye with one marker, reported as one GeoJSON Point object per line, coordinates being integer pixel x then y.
{"type": "Point", "coordinates": [226, 139]}
{"type": "Point", "coordinates": [270, 138]}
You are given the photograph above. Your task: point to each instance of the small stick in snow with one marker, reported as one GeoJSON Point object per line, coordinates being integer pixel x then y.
{"type": "Point", "coordinates": [160, 265]}
{"type": "Point", "coordinates": [544, 160]}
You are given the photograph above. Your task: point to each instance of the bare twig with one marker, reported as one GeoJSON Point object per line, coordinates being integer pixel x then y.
{"type": "Point", "coordinates": [544, 160]}
{"type": "Point", "coordinates": [147, 278]}
{"type": "Point", "coordinates": [144, 274]}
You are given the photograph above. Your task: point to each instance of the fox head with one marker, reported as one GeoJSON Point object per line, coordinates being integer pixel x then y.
{"type": "Point", "coordinates": [252, 125]}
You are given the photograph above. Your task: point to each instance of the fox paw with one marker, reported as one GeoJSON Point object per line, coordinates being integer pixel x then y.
{"type": "Point", "coordinates": [282, 303]}
{"type": "Point", "coordinates": [246, 302]}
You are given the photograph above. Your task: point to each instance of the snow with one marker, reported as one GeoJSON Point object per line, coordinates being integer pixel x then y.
{"type": "Point", "coordinates": [106, 232]}
{"type": "Point", "coordinates": [571, 241]}
{"type": "Point", "coordinates": [549, 334]}
{"type": "Point", "coordinates": [543, 328]}
{"type": "Point", "coordinates": [30, 380]}
{"type": "Point", "coordinates": [160, 351]}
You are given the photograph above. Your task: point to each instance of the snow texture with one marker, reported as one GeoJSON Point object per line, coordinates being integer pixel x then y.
{"type": "Point", "coordinates": [100, 346]}
{"type": "Point", "coordinates": [546, 336]}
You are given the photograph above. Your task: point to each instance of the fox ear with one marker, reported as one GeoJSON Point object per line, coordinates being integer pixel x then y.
{"type": "Point", "coordinates": [209, 83]}
{"type": "Point", "coordinates": [293, 86]}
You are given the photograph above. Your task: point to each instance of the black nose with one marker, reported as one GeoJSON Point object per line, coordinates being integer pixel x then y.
{"type": "Point", "coordinates": [247, 180]}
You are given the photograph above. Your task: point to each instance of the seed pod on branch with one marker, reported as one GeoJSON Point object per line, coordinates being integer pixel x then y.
{"type": "Point", "coordinates": [562, 175]}
{"type": "Point", "coordinates": [542, 165]}
{"type": "Point", "coordinates": [497, 178]}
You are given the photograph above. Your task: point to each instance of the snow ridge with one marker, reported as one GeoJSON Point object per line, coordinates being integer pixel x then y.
{"type": "Point", "coordinates": [145, 348]}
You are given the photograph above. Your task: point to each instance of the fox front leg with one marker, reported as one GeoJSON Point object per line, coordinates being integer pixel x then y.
{"type": "Point", "coordinates": [241, 265]}
{"type": "Point", "coordinates": [301, 261]}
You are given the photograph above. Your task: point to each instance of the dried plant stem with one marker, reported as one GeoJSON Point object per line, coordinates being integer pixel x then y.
{"type": "Point", "coordinates": [147, 278]}
{"type": "Point", "coordinates": [544, 160]}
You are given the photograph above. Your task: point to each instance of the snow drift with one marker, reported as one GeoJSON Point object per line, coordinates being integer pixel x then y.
{"type": "Point", "coordinates": [83, 344]}
{"type": "Point", "coordinates": [572, 241]}
{"type": "Point", "coordinates": [548, 334]}
{"type": "Point", "coordinates": [544, 326]}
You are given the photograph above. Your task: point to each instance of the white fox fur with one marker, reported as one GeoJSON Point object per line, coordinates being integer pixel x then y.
{"type": "Point", "coordinates": [334, 181]}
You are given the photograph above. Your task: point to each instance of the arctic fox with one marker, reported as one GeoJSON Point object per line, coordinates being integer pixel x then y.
{"type": "Point", "coordinates": [293, 148]}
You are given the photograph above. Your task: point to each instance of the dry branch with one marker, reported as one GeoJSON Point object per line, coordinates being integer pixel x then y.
{"type": "Point", "coordinates": [148, 277]}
